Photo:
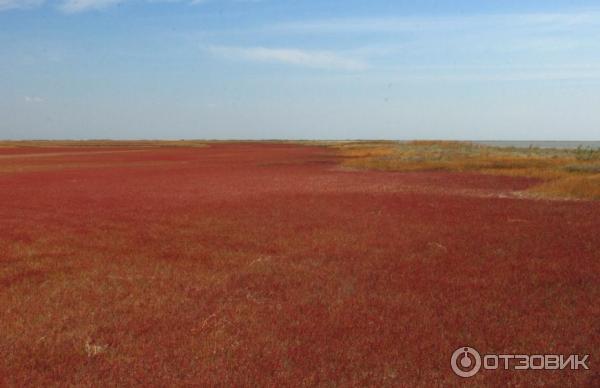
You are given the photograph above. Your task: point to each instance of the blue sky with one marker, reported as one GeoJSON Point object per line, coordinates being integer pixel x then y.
{"type": "Point", "coordinates": [300, 69]}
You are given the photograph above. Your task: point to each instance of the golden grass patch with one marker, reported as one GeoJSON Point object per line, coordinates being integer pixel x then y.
{"type": "Point", "coordinates": [565, 172]}
{"type": "Point", "coordinates": [586, 186]}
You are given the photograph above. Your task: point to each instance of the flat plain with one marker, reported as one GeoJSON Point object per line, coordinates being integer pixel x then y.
{"type": "Point", "coordinates": [280, 264]}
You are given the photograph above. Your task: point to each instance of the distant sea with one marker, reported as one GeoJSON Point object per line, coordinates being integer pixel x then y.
{"type": "Point", "coordinates": [541, 144]}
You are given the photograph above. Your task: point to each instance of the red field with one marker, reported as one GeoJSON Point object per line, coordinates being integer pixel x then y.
{"type": "Point", "coordinates": [270, 265]}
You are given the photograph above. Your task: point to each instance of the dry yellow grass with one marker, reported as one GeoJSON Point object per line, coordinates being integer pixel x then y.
{"type": "Point", "coordinates": [565, 173]}
{"type": "Point", "coordinates": [587, 186]}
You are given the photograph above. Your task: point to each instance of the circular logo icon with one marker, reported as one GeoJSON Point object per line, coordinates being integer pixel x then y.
{"type": "Point", "coordinates": [465, 361]}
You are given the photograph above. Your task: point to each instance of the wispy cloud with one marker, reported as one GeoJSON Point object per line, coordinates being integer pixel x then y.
{"type": "Point", "coordinates": [33, 99]}
{"type": "Point", "coordinates": [423, 23]}
{"type": "Point", "coordinates": [462, 39]}
{"type": "Point", "coordinates": [19, 4]}
{"type": "Point", "coordinates": [358, 25]}
{"type": "Point", "coordinates": [297, 57]}
{"type": "Point", "coordinates": [76, 6]}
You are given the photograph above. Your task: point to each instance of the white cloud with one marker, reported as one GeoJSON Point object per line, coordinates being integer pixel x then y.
{"type": "Point", "coordinates": [354, 25]}
{"type": "Point", "coordinates": [33, 99]}
{"type": "Point", "coordinates": [313, 59]}
{"type": "Point", "coordinates": [19, 4]}
{"type": "Point", "coordinates": [558, 19]}
{"type": "Point", "coordinates": [419, 24]}
{"type": "Point", "coordinates": [76, 6]}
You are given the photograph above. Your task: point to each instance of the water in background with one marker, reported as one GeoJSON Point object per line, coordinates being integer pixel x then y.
{"type": "Point", "coordinates": [541, 144]}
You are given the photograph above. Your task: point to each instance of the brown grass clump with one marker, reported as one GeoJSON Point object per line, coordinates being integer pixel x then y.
{"type": "Point", "coordinates": [564, 173]}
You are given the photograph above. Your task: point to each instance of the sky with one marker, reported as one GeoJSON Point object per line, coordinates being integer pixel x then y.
{"type": "Point", "coordinates": [300, 69]}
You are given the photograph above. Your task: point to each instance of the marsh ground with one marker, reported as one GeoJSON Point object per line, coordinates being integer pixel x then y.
{"type": "Point", "coordinates": [278, 265]}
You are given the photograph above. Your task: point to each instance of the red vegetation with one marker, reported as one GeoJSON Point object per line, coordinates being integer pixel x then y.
{"type": "Point", "coordinates": [267, 264]}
